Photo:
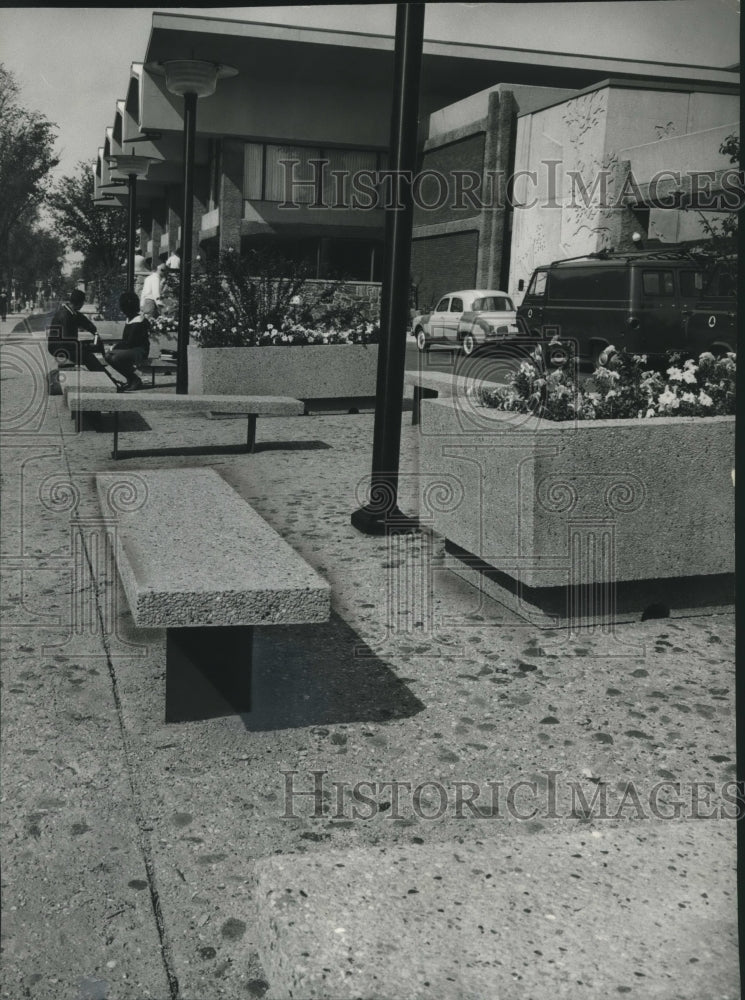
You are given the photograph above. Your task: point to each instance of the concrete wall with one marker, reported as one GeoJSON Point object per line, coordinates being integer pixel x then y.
{"type": "Point", "coordinates": [465, 242]}
{"type": "Point", "coordinates": [610, 129]}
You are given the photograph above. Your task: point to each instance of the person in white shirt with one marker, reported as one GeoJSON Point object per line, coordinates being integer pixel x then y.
{"type": "Point", "coordinates": [174, 261]}
{"type": "Point", "coordinates": [151, 291]}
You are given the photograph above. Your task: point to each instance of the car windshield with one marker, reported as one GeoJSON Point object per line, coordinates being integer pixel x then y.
{"type": "Point", "coordinates": [493, 303]}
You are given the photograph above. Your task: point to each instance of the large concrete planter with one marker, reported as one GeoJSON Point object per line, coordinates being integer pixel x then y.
{"type": "Point", "coordinates": [555, 504]}
{"type": "Point", "coordinates": [330, 371]}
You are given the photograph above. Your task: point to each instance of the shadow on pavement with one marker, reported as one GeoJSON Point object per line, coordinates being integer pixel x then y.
{"type": "Point", "coordinates": [307, 675]}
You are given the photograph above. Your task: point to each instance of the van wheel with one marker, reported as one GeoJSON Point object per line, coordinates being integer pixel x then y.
{"type": "Point", "coordinates": [421, 340]}
{"type": "Point", "coordinates": [468, 344]}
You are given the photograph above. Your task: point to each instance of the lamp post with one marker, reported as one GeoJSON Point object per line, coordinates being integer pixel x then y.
{"type": "Point", "coordinates": [382, 515]}
{"type": "Point", "coordinates": [190, 79]}
{"type": "Point", "coordinates": [132, 167]}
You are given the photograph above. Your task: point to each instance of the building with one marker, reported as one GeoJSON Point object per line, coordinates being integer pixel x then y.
{"type": "Point", "coordinates": [308, 109]}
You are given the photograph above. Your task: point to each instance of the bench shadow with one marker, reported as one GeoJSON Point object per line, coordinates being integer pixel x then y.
{"type": "Point", "coordinates": [129, 421]}
{"type": "Point", "coordinates": [307, 675]}
{"type": "Point", "coordinates": [291, 445]}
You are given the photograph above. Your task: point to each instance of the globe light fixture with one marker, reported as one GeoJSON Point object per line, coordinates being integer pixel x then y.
{"type": "Point", "coordinates": [190, 79]}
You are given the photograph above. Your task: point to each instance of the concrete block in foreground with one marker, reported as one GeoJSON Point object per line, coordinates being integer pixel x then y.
{"type": "Point", "coordinates": [81, 380]}
{"type": "Point", "coordinates": [641, 910]}
{"type": "Point", "coordinates": [191, 551]}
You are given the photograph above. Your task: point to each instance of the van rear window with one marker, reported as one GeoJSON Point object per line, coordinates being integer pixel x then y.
{"type": "Point", "coordinates": [589, 283]}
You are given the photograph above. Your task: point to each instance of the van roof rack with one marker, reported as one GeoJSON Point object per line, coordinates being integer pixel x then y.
{"type": "Point", "coordinates": [671, 253]}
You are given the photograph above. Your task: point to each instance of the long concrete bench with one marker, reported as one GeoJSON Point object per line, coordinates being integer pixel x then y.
{"type": "Point", "coordinates": [127, 402]}
{"type": "Point", "coordinates": [430, 385]}
{"type": "Point", "coordinates": [196, 559]}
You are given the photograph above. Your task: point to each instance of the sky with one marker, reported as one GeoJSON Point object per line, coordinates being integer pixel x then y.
{"type": "Point", "coordinates": [72, 63]}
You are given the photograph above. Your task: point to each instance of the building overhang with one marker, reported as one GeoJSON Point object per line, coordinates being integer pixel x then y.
{"type": "Point", "coordinates": [270, 51]}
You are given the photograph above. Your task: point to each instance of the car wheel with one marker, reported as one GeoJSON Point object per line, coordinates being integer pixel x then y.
{"type": "Point", "coordinates": [468, 344]}
{"type": "Point", "coordinates": [421, 340]}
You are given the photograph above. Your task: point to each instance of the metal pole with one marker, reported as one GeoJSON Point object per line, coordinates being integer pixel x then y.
{"type": "Point", "coordinates": [381, 514]}
{"type": "Point", "coordinates": [187, 218]}
{"type": "Point", "coordinates": [132, 190]}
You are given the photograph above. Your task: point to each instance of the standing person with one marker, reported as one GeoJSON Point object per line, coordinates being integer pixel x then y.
{"type": "Point", "coordinates": [134, 346]}
{"type": "Point", "coordinates": [62, 334]}
{"type": "Point", "coordinates": [3, 305]}
{"type": "Point", "coordinates": [142, 271]}
{"type": "Point", "coordinates": [151, 291]}
{"type": "Point", "coordinates": [174, 261]}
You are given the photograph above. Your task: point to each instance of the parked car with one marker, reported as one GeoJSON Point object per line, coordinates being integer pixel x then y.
{"type": "Point", "coordinates": [468, 318]}
{"type": "Point", "coordinates": [647, 302]}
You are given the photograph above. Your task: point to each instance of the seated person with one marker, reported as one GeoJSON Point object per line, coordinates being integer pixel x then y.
{"type": "Point", "coordinates": [134, 346]}
{"type": "Point", "coordinates": [62, 335]}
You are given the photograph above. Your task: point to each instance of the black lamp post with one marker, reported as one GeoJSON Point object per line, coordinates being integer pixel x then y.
{"type": "Point", "coordinates": [132, 167]}
{"type": "Point", "coordinates": [190, 79]}
{"type": "Point", "coordinates": [381, 514]}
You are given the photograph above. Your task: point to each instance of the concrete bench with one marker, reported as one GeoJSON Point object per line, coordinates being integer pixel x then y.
{"type": "Point", "coordinates": [430, 385]}
{"type": "Point", "coordinates": [196, 559]}
{"type": "Point", "coordinates": [123, 402]}
{"type": "Point", "coordinates": [80, 380]}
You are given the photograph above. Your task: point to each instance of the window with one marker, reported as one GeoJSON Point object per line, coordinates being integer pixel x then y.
{"type": "Point", "coordinates": [456, 305]}
{"type": "Point", "coordinates": [658, 284]}
{"type": "Point", "coordinates": [336, 190]}
{"type": "Point", "coordinates": [691, 283]}
{"type": "Point", "coordinates": [538, 283]}
{"type": "Point", "coordinates": [589, 284]}
{"type": "Point", "coordinates": [253, 171]}
{"type": "Point", "coordinates": [290, 181]}
{"type": "Point", "coordinates": [265, 178]}
{"type": "Point", "coordinates": [493, 303]}
{"type": "Point", "coordinates": [442, 305]}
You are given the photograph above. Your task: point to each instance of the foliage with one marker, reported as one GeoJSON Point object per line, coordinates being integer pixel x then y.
{"type": "Point", "coordinates": [703, 387]}
{"type": "Point", "coordinates": [264, 299]}
{"type": "Point", "coordinates": [26, 157]}
{"type": "Point", "coordinates": [722, 233]}
{"type": "Point", "coordinates": [99, 234]}
{"type": "Point", "coordinates": [35, 257]}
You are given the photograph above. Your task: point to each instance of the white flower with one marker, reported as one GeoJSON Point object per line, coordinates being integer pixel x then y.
{"type": "Point", "coordinates": [689, 363]}
{"type": "Point", "coordinates": [688, 397]}
{"type": "Point", "coordinates": [669, 399]}
{"type": "Point", "coordinates": [689, 376]}
{"type": "Point", "coordinates": [594, 397]}
{"type": "Point", "coordinates": [707, 356]}
{"type": "Point", "coordinates": [704, 399]}
{"type": "Point", "coordinates": [675, 374]}
{"type": "Point", "coordinates": [650, 412]}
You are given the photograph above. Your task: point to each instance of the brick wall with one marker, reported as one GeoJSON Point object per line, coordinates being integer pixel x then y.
{"type": "Point", "coordinates": [444, 264]}
{"type": "Point", "coordinates": [465, 154]}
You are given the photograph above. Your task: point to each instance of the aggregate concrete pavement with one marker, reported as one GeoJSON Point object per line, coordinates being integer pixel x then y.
{"type": "Point", "coordinates": [136, 853]}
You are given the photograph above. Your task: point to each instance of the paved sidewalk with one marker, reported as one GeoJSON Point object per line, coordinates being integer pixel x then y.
{"type": "Point", "coordinates": [137, 855]}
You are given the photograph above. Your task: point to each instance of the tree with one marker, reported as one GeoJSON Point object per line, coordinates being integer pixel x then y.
{"type": "Point", "coordinates": [26, 157]}
{"type": "Point", "coordinates": [35, 259]}
{"type": "Point", "coordinates": [722, 233]}
{"type": "Point", "coordinates": [100, 235]}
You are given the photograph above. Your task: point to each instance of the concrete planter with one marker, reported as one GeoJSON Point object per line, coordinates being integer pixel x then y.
{"type": "Point", "coordinates": [330, 371]}
{"type": "Point", "coordinates": [554, 504]}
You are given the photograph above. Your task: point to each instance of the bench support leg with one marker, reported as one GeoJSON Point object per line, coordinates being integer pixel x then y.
{"type": "Point", "coordinates": [420, 393]}
{"type": "Point", "coordinates": [251, 434]}
{"type": "Point", "coordinates": [208, 672]}
{"type": "Point", "coordinates": [115, 452]}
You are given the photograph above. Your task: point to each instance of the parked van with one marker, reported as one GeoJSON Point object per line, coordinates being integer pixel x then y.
{"type": "Point", "coordinates": [648, 302]}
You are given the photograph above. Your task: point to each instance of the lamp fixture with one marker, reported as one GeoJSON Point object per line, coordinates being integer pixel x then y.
{"type": "Point", "coordinates": [191, 76]}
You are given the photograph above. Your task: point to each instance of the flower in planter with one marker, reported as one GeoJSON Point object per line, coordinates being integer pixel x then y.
{"type": "Point", "coordinates": [692, 387]}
